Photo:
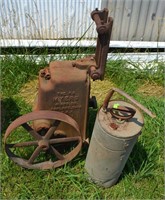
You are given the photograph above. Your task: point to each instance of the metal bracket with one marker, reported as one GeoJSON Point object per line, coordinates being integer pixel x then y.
{"type": "Point", "coordinates": [104, 29]}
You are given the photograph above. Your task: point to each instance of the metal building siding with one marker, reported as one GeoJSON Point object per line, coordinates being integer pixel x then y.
{"type": "Point", "coordinates": [137, 20]}
{"type": "Point", "coordinates": [47, 19]}
{"type": "Point", "coordinates": [134, 20]}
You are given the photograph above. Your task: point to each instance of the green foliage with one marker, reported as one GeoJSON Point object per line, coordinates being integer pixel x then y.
{"type": "Point", "coordinates": [142, 177]}
{"type": "Point", "coordinates": [15, 72]}
{"type": "Point", "coordinates": [122, 72]}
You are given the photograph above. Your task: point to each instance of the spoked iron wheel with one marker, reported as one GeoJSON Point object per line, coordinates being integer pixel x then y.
{"type": "Point", "coordinates": [34, 150]}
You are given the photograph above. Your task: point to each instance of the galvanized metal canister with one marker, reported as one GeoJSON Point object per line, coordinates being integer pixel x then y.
{"type": "Point", "coordinates": [117, 127]}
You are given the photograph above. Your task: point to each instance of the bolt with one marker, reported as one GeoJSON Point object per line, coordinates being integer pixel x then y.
{"type": "Point", "coordinates": [47, 74]}
{"type": "Point", "coordinates": [104, 110]}
{"type": "Point", "coordinates": [73, 64]}
{"type": "Point", "coordinates": [93, 73]}
{"type": "Point", "coordinates": [47, 77]}
{"type": "Point", "coordinates": [92, 68]}
{"type": "Point", "coordinates": [42, 73]}
{"type": "Point", "coordinates": [44, 144]}
{"type": "Point", "coordinates": [95, 76]}
{"type": "Point", "coordinates": [114, 126]}
{"type": "Point", "coordinates": [126, 145]}
{"type": "Point", "coordinates": [101, 29]}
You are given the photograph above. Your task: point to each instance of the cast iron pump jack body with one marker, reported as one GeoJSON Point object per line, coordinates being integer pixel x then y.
{"type": "Point", "coordinates": [62, 103]}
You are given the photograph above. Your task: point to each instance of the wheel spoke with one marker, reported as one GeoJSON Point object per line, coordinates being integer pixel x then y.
{"type": "Point", "coordinates": [34, 155]}
{"type": "Point", "coordinates": [59, 155]}
{"type": "Point", "coordinates": [63, 140]}
{"type": "Point", "coordinates": [44, 140]}
{"type": "Point", "coordinates": [23, 144]}
{"type": "Point", "coordinates": [32, 131]}
{"type": "Point", "coordinates": [52, 129]}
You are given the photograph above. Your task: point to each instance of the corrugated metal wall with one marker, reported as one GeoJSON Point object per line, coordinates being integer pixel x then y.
{"type": "Point", "coordinates": [47, 19]}
{"type": "Point", "coordinates": [134, 20]}
{"type": "Point", "coordinates": [137, 20]}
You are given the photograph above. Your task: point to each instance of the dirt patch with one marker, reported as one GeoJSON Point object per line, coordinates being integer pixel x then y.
{"type": "Point", "coordinates": [29, 92]}
{"type": "Point", "coordinates": [100, 89]}
{"type": "Point", "coordinates": [151, 89]}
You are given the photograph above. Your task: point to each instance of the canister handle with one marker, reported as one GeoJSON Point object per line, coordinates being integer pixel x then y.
{"type": "Point", "coordinates": [109, 95]}
{"type": "Point", "coordinates": [122, 112]}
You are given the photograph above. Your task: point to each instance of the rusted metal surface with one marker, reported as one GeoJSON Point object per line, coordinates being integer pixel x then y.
{"type": "Point", "coordinates": [44, 73]}
{"type": "Point", "coordinates": [109, 96]}
{"type": "Point", "coordinates": [104, 29]}
{"type": "Point", "coordinates": [122, 112]}
{"type": "Point", "coordinates": [117, 127]}
{"type": "Point", "coordinates": [111, 144]}
{"type": "Point", "coordinates": [123, 128]}
{"type": "Point", "coordinates": [61, 107]}
{"type": "Point", "coordinates": [119, 113]}
{"type": "Point", "coordinates": [45, 142]}
{"type": "Point", "coordinates": [67, 91]}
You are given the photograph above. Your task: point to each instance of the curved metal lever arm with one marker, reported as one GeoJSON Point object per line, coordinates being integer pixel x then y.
{"type": "Point", "coordinates": [104, 29]}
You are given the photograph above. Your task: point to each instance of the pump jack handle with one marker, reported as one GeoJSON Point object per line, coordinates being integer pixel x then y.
{"type": "Point", "coordinates": [109, 95]}
{"type": "Point", "coordinates": [104, 29]}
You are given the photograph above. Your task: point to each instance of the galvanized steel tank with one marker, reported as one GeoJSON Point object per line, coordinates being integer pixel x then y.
{"type": "Point", "coordinates": [117, 127]}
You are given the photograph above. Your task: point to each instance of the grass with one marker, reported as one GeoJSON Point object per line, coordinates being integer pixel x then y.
{"type": "Point", "coordinates": [142, 177]}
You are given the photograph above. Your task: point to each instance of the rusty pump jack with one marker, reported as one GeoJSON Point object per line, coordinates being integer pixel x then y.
{"type": "Point", "coordinates": [59, 116]}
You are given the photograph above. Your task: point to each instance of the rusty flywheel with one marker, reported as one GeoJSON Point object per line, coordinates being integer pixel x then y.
{"type": "Point", "coordinates": [42, 149]}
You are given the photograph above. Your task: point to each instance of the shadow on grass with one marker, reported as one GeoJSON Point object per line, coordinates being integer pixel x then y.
{"type": "Point", "coordinates": [136, 158]}
{"type": "Point", "coordinates": [135, 161]}
{"type": "Point", "coordinates": [9, 112]}
{"type": "Point", "coordinates": [91, 121]}
{"type": "Point", "coordinates": [90, 124]}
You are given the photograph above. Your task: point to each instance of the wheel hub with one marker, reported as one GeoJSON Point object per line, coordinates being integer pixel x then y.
{"type": "Point", "coordinates": [44, 144]}
{"type": "Point", "coordinates": [32, 153]}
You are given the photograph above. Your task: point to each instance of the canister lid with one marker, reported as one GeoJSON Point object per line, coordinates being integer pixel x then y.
{"type": "Point", "coordinates": [121, 128]}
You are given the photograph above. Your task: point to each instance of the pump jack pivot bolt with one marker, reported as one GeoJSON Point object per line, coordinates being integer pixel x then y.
{"type": "Point", "coordinates": [93, 73]}
{"type": "Point", "coordinates": [101, 29]}
{"type": "Point", "coordinates": [44, 73]}
{"type": "Point", "coordinates": [95, 76]}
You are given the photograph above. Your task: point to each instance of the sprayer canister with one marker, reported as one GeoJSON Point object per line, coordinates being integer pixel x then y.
{"type": "Point", "coordinates": [111, 144]}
